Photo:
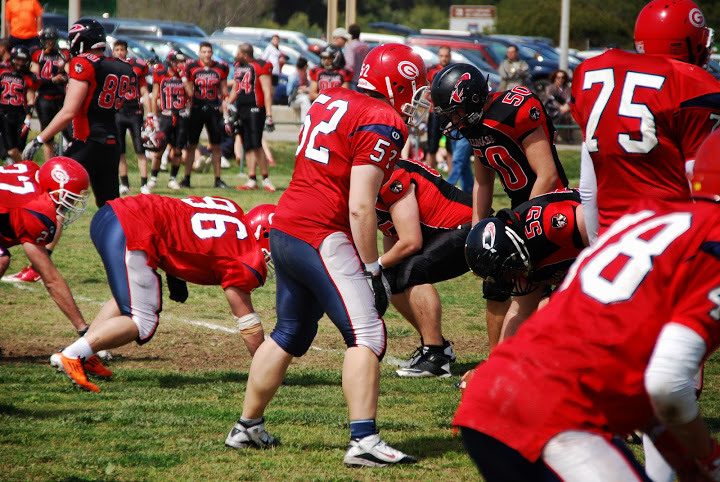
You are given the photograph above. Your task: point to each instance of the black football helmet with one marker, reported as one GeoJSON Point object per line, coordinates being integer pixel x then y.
{"type": "Point", "coordinates": [86, 34]}
{"type": "Point", "coordinates": [335, 55]}
{"type": "Point", "coordinates": [49, 34]}
{"type": "Point", "coordinates": [20, 56]}
{"type": "Point", "coordinates": [459, 85]}
{"type": "Point", "coordinates": [496, 253]}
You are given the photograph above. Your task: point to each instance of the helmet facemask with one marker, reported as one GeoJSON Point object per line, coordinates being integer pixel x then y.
{"type": "Point", "coordinates": [419, 106]}
{"type": "Point", "coordinates": [70, 205]}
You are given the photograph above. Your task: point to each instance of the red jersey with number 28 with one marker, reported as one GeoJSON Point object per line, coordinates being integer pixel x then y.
{"type": "Point", "coordinates": [203, 240]}
{"type": "Point", "coordinates": [109, 80]}
{"type": "Point", "coordinates": [342, 129]}
{"type": "Point", "coordinates": [642, 117]}
{"type": "Point", "coordinates": [27, 215]}
{"type": "Point", "coordinates": [579, 363]}
{"type": "Point", "coordinates": [497, 141]}
{"type": "Point", "coordinates": [247, 83]}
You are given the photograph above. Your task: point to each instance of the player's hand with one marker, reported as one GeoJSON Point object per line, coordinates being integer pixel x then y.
{"type": "Point", "coordinates": [25, 129]}
{"type": "Point", "coordinates": [269, 124]}
{"type": "Point", "coordinates": [185, 113]}
{"type": "Point", "coordinates": [381, 289]}
{"type": "Point", "coordinates": [178, 288]}
{"type": "Point", "coordinates": [151, 122]}
{"type": "Point", "coordinates": [229, 128]}
{"type": "Point", "coordinates": [31, 149]}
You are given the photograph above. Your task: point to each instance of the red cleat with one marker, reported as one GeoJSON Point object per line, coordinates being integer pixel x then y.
{"type": "Point", "coordinates": [26, 275]}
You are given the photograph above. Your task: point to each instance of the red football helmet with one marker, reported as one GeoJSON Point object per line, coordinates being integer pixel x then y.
{"type": "Point", "coordinates": [675, 29]}
{"type": "Point", "coordinates": [68, 184]}
{"type": "Point", "coordinates": [398, 73]}
{"type": "Point", "coordinates": [259, 221]}
{"type": "Point", "coordinates": [705, 175]}
{"type": "Point", "coordinates": [153, 139]}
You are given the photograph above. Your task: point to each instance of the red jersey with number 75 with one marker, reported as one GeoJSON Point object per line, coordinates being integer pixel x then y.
{"type": "Point", "coordinates": [579, 363]}
{"type": "Point", "coordinates": [342, 129]}
{"type": "Point", "coordinates": [247, 83]}
{"type": "Point", "coordinates": [642, 117]}
{"type": "Point", "coordinates": [203, 240]}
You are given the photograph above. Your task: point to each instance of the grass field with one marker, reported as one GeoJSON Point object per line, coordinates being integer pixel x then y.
{"type": "Point", "coordinates": [166, 412]}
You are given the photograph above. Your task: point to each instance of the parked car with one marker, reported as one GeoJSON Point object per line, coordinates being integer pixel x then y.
{"type": "Point", "coordinates": [375, 39]}
{"type": "Point", "coordinates": [157, 28]}
{"type": "Point", "coordinates": [231, 42]}
{"type": "Point", "coordinates": [296, 39]}
{"type": "Point", "coordinates": [469, 56]}
{"type": "Point", "coordinates": [484, 49]}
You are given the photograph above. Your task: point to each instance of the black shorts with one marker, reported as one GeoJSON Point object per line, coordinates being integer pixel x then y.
{"type": "Point", "coordinates": [46, 107]}
{"type": "Point", "coordinates": [252, 123]}
{"type": "Point", "coordinates": [11, 124]}
{"type": "Point", "coordinates": [101, 162]}
{"type": "Point", "coordinates": [175, 129]}
{"type": "Point", "coordinates": [211, 119]}
{"type": "Point", "coordinates": [433, 133]}
{"type": "Point", "coordinates": [133, 122]}
{"type": "Point", "coordinates": [442, 257]}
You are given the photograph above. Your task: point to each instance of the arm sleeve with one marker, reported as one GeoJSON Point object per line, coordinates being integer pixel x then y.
{"type": "Point", "coordinates": [588, 194]}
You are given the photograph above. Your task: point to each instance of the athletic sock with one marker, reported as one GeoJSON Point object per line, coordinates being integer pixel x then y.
{"type": "Point", "coordinates": [250, 422]}
{"type": "Point", "coordinates": [81, 348]}
{"type": "Point", "coordinates": [143, 181]}
{"type": "Point", "coordinates": [174, 171]}
{"type": "Point", "coordinates": [362, 428]}
{"type": "Point", "coordinates": [155, 173]}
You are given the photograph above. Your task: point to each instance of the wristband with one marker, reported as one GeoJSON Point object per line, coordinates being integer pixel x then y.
{"type": "Point", "coordinates": [83, 331]}
{"type": "Point", "coordinates": [373, 267]}
{"type": "Point", "coordinates": [29, 109]}
{"type": "Point", "coordinates": [380, 263]}
{"type": "Point", "coordinates": [39, 139]}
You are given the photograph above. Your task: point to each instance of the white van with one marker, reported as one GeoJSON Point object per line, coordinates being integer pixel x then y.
{"type": "Point", "coordinates": [296, 39]}
{"type": "Point", "coordinates": [375, 39]}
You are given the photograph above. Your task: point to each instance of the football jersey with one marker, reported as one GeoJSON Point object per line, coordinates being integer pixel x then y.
{"type": "Point", "coordinates": [327, 79]}
{"type": "Point", "coordinates": [343, 128]}
{"type": "Point", "coordinates": [206, 80]}
{"type": "Point", "coordinates": [27, 215]}
{"type": "Point", "coordinates": [442, 206]}
{"type": "Point", "coordinates": [50, 64]}
{"type": "Point", "coordinates": [132, 96]}
{"type": "Point", "coordinates": [247, 83]}
{"type": "Point", "coordinates": [14, 86]}
{"type": "Point", "coordinates": [548, 225]}
{"type": "Point", "coordinates": [202, 240]}
{"type": "Point", "coordinates": [579, 363]}
{"type": "Point", "coordinates": [433, 71]}
{"type": "Point", "coordinates": [109, 81]}
{"type": "Point", "coordinates": [171, 92]}
{"type": "Point", "coordinates": [497, 141]}
{"type": "Point", "coordinates": [642, 117]}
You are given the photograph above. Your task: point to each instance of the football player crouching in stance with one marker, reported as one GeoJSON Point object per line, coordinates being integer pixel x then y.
{"type": "Point", "coordinates": [202, 240]}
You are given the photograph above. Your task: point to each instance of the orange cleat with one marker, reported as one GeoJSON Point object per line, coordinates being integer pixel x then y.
{"type": "Point", "coordinates": [73, 369]}
{"type": "Point", "coordinates": [93, 366]}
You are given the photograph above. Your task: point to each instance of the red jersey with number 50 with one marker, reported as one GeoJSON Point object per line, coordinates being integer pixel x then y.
{"type": "Point", "coordinates": [27, 215]}
{"type": "Point", "coordinates": [203, 240]}
{"type": "Point", "coordinates": [109, 81]}
{"type": "Point", "coordinates": [579, 363]}
{"type": "Point", "coordinates": [207, 80]}
{"type": "Point", "coordinates": [342, 129]}
{"type": "Point", "coordinates": [247, 83]}
{"type": "Point", "coordinates": [171, 90]}
{"type": "Point", "coordinates": [642, 117]}
{"type": "Point", "coordinates": [497, 141]}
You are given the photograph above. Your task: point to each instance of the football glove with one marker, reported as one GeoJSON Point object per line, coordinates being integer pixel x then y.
{"type": "Point", "coordinates": [381, 289]}
{"type": "Point", "coordinates": [31, 149]}
{"type": "Point", "coordinates": [269, 124]}
{"type": "Point", "coordinates": [178, 288]}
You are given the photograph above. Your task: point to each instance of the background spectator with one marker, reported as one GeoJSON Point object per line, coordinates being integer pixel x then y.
{"type": "Point", "coordinates": [355, 52]}
{"type": "Point", "coordinates": [558, 102]}
{"type": "Point", "coordinates": [513, 71]}
{"type": "Point", "coordinates": [23, 21]}
{"type": "Point", "coordinates": [340, 37]}
{"type": "Point", "coordinates": [298, 88]}
{"type": "Point", "coordinates": [272, 54]}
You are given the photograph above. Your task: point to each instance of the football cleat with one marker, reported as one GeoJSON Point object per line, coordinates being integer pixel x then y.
{"type": "Point", "coordinates": [152, 182]}
{"type": "Point", "coordinates": [145, 189]}
{"type": "Point", "coordinates": [428, 364]}
{"type": "Point", "coordinates": [73, 369]}
{"type": "Point", "coordinates": [93, 366]}
{"type": "Point", "coordinates": [220, 184]}
{"type": "Point", "coordinates": [372, 451]}
{"type": "Point", "coordinates": [251, 185]}
{"type": "Point", "coordinates": [225, 163]}
{"type": "Point", "coordinates": [26, 275]}
{"type": "Point", "coordinates": [447, 350]}
{"type": "Point", "coordinates": [268, 185]}
{"type": "Point", "coordinates": [242, 437]}
{"type": "Point", "coordinates": [173, 184]}
{"type": "Point", "coordinates": [185, 183]}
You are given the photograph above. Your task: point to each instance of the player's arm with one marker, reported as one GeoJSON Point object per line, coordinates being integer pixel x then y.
{"type": "Point", "coordinates": [248, 321]}
{"type": "Point", "coordinates": [588, 194]}
{"type": "Point", "coordinates": [539, 154]}
{"type": "Point", "coordinates": [346, 85]}
{"type": "Point", "coordinates": [189, 86]}
{"type": "Point", "coordinates": [54, 283]}
{"type": "Point", "coordinates": [74, 97]}
{"type": "Point", "coordinates": [521, 307]}
{"type": "Point", "coordinates": [365, 181]}
{"type": "Point", "coordinates": [266, 83]}
{"type": "Point", "coordinates": [146, 100]}
{"type": "Point", "coordinates": [154, 99]}
{"type": "Point", "coordinates": [482, 191]}
{"type": "Point", "coordinates": [232, 96]}
{"type": "Point", "coordinates": [313, 90]}
{"type": "Point", "coordinates": [405, 215]}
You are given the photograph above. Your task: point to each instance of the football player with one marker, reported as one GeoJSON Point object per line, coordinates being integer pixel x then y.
{"type": "Point", "coordinates": [332, 72]}
{"type": "Point", "coordinates": [615, 350]}
{"type": "Point", "coordinates": [17, 101]}
{"type": "Point", "coordinates": [527, 250]}
{"type": "Point", "coordinates": [644, 115]}
{"type": "Point", "coordinates": [434, 130]}
{"type": "Point", "coordinates": [324, 245]}
{"type": "Point", "coordinates": [34, 202]}
{"type": "Point", "coordinates": [511, 136]}
{"type": "Point", "coordinates": [201, 240]}
{"type": "Point", "coordinates": [425, 222]}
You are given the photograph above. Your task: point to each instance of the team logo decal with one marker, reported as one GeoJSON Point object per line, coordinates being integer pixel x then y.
{"type": "Point", "coordinates": [78, 68]}
{"type": "Point", "coordinates": [534, 113]}
{"type": "Point", "coordinates": [488, 237]}
{"type": "Point", "coordinates": [697, 18]}
{"type": "Point", "coordinates": [457, 94]}
{"type": "Point", "coordinates": [558, 221]}
{"type": "Point", "coordinates": [396, 187]}
{"type": "Point", "coordinates": [76, 28]}
{"type": "Point", "coordinates": [408, 70]}
{"type": "Point", "coordinates": [60, 176]}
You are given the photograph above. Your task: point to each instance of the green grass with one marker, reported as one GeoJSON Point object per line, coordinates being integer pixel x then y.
{"type": "Point", "coordinates": [172, 402]}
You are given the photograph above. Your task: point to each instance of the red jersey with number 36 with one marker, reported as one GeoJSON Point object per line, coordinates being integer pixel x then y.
{"type": "Point", "coordinates": [642, 117]}
{"type": "Point", "coordinates": [27, 215]}
{"type": "Point", "coordinates": [109, 81]}
{"type": "Point", "coordinates": [247, 83]}
{"type": "Point", "coordinates": [579, 363]}
{"type": "Point", "coordinates": [203, 240]}
{"type": "Point", "coordinates": [497, 141]}
{"type": "Point", "coordinates": [342, 129]}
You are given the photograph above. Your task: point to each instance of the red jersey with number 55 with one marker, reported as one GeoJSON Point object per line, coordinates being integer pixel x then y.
{"type": "Point", "coordinates": [247, 83]}
{"type": "Point", "coordinates": [109, 80]}
{"type": "Point", "coordinates": [579, 363]}
{"type": "Point", "coordinates": [27, 215]}
{"type": "Point", "coordinates": [342, 129]}
{"type": "Point", "coordinates": [497, 141]}
{"type": "Point", "coordinates": [203, 240]}
{"type": "Point", "coordinates": [642, 117]}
